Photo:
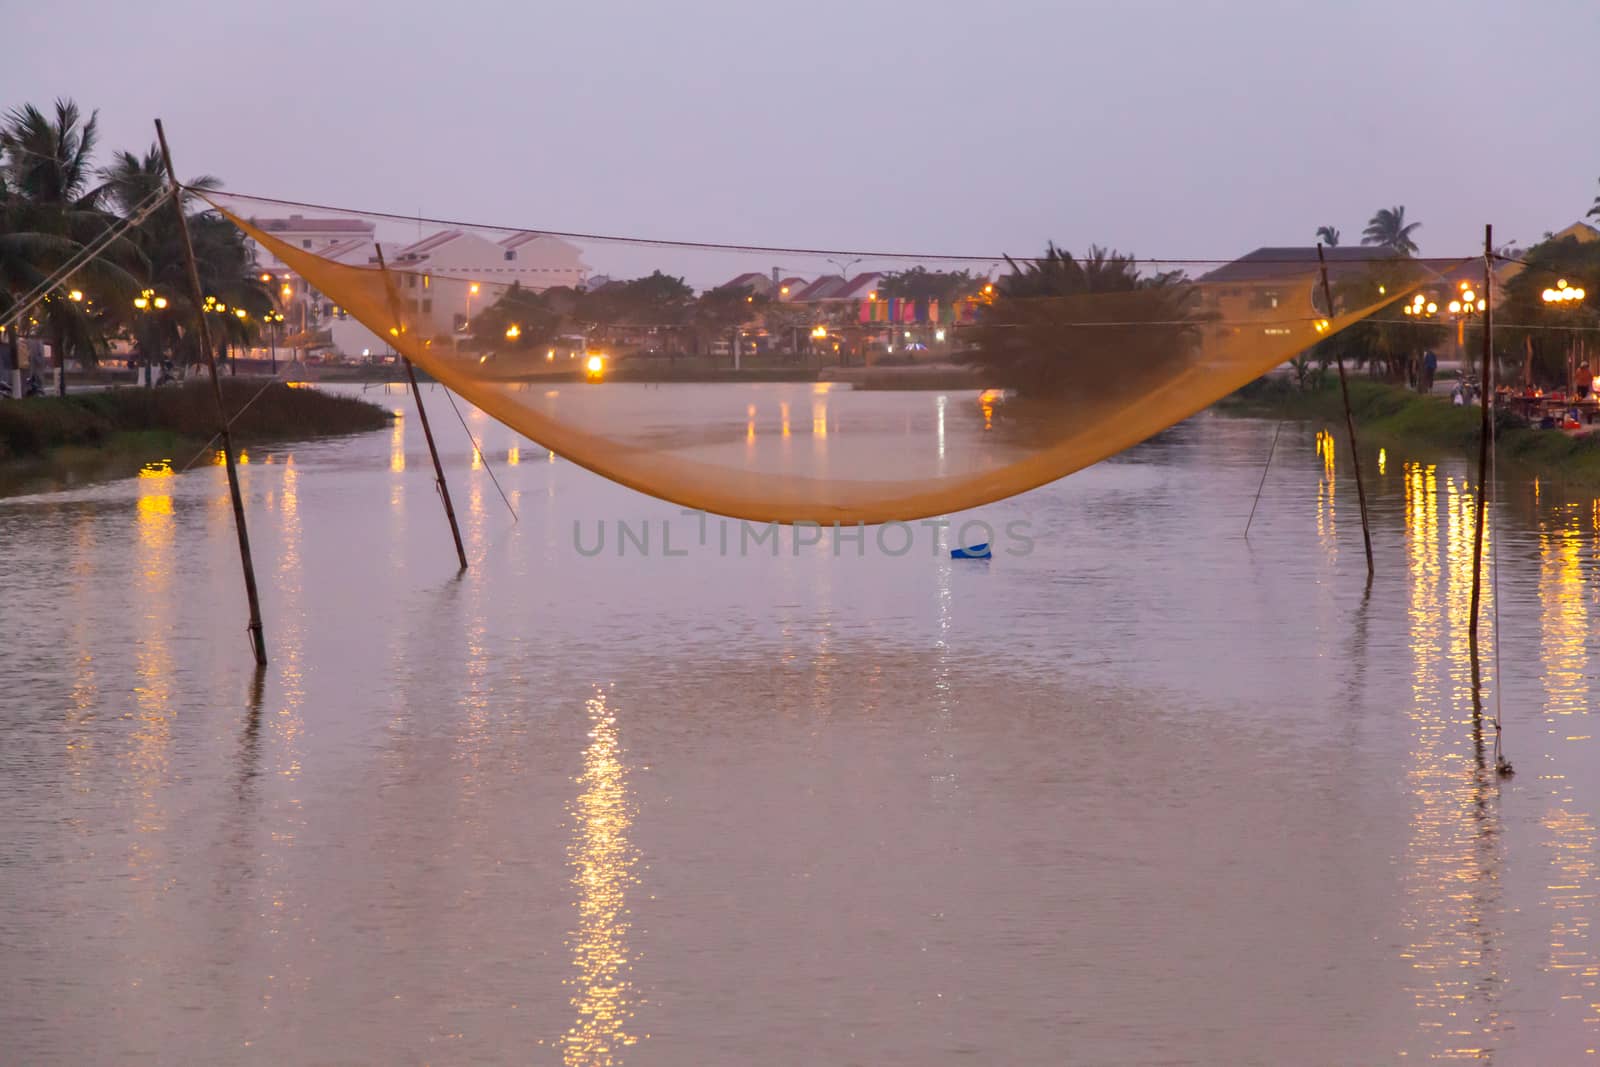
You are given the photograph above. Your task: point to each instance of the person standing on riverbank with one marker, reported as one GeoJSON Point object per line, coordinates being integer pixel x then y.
{"type": "Point", "coordinates": [1582, 379]}
{"type": "Point", "coordinates": [1430, 366]}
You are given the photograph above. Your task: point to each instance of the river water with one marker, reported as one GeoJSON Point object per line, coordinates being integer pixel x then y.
{"type": "Point", "coordinates": [1147, 793]}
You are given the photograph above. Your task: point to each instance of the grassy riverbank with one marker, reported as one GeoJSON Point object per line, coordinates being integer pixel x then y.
{"type": "Point", "coordinates": [1395, 416]}
{"type": "Point", "coordinates": [109, 432]}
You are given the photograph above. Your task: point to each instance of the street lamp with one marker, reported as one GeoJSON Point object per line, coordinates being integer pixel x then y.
{"type": "Point", "coordinates": [147, 301]}
{"type": "Point", "coordinates": [273, 318]}
{"type": "Point", "coordinates": [1562, 298]}
{"type": "Point", "coordinates": [1464, 306]}
{"type": "Point", "coordinates": [844, 267]}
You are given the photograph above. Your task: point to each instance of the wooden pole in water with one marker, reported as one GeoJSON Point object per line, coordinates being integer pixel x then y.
{"type": "Point", "coordinates": [422, 412]}
{"type": "Point", "coordinates": [258, 641]}
{"type": "Point", "coordinates": [1349, 419]}
{"type": "Point", "coordinates": [1484, 429]}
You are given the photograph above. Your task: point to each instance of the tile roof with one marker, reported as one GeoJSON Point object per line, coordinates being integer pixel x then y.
{"type": "Point", "coordinates": [302, 224]}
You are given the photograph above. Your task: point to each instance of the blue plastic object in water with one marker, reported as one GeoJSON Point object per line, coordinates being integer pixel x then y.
{"type": "Point", "coordinates": [980, 551]}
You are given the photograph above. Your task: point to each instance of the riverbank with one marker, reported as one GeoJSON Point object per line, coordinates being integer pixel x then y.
{"type": "Point", "coordinates": [112, 432]}
{"type": "Point", "coordinates": [1392, 416]}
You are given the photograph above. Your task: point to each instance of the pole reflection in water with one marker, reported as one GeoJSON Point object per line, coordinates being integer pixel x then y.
{"type": "Point", "coordinates": [85, 688]}
{"type": "Point", "coordinates": [283, 907]}
{"type": "Point", "coordinates": [602, 859]}
{"type": "Point", "coordinates": [1451, 878]}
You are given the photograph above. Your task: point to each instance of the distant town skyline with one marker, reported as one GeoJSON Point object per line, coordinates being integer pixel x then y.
{"type": "Point", "coordinates": [1158, 128]}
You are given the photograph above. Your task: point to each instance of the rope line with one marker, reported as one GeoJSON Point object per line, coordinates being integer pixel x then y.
{"type": "Point", "coordinates": [28, 301]}
{"type": "Point", "coordinates": [483, 458]}
{"type": "Point", "coordinates": [231, 420]}
{"type": "Point", "coordinates": [716, 246]}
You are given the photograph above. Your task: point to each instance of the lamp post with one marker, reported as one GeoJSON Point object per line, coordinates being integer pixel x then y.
{"type": "Point", "coordinates": [1466, 304]}
{"type": "Point", "coordinates": [213, 306]}
{"type": "Point", "coordinates": [273, 319]}
{"type": "Point", "coordinates": [1421, 307]}
{"type": "Point", "coordinates": [1564, 297]}
{"type": "Point", "coordinates": [243, 316]}
{"type": "Point", "coordinates": [147, 301]}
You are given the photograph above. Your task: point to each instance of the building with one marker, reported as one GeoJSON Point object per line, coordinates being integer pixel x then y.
{"type": "Point", "coordinates": [448, 276]}
{"type": "Point", "coordinates": [311, 234]}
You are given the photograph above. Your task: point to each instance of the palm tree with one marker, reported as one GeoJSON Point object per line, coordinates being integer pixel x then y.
{"type": "Point", "coordinates": [1328, 235]}
{"type": "Point", "coordinates": [1085, 331]}
{"type": "Point", "coordinates": [220, 254]}
{"type": "Point", "coordinates": [45, 162]}
{"type": "Point", "coordinates": [1389, 230]}
{"type": "Point", "coordinates": [1594, 211]}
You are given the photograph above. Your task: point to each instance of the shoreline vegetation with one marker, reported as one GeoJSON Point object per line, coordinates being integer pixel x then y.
{"type": "Point", "coordinates": [1393, 415]}
{"type": "Point", "coordinates": [48, 441]}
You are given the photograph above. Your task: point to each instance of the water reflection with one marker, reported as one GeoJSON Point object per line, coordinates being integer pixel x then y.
{"type": "Point", "coordinates": [1327, 530]}
{"type": "Point", "coordinates": [1570, 842]}
{"type": "Point", "coordinates": [1452, 877]}
{"type": "Point", "coordinates": [602, 859]}
{"type": "Point", "coordinates": [153, 667]}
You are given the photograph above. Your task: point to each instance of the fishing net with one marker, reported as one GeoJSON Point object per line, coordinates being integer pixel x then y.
{"type": "Point", "coordinates": [1038, 366]}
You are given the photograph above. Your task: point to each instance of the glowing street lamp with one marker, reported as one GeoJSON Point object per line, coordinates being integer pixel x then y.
{"type": "Point", "coordinates": [76, 296]}
{"type": "Point", "coordinates": [1563, 294]}
{"type": "Point", "coordinates": [513, 332]}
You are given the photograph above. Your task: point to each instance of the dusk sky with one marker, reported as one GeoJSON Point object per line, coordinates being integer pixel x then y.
{"type": "Point", "coordinates": [1160, 127]}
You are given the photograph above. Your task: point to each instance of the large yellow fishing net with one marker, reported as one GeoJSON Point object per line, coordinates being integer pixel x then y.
{"type": "Point", "coordinates": [1053, 365]}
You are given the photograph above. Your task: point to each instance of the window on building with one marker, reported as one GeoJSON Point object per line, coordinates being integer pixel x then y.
{"type": "Point", "coordinates": [427, 307]}
{"type": "Point", "coordinates": [511, 253]}
{"type": "Point", "coordinates": [306, 243]}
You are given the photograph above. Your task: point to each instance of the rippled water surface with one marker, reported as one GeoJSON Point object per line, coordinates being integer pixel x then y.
{"type": "Point", "coordinates": [1149, 793]}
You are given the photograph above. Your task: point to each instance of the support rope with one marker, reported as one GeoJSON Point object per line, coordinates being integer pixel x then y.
{"type": "Point", "coordinates": [483, 458]}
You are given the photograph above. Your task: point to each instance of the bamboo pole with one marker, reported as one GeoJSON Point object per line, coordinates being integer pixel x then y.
{"type": "Point", "coordinates": [1487, 378]}
{"type": "Point", "coordinates": [1349, 419]}
{"type": "Point", "coordinates": [258, 641]}
{"type": "Point", "coordinates": [422, 412]}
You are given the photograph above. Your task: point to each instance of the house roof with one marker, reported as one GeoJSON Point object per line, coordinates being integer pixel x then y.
{"type": "Point", "coordinates": [427, 246]}
{"type": "Point", "coordinates": [1273, 262]}
{"type": "Point", "coordinates": [821, 289]}
{"type": "Point", "coordinates": [750, 279]}
{"type": "Point", "coordinates": [302, 224]}
{"type": "Point", "coordinates": [859, 287]}
{"type": "Point", "coordinates": [341, 249]}
{"type": "Point", "coordinates": [517, 240]}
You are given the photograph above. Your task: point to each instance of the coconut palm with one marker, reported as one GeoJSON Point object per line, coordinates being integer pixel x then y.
{"type": "Point", "coordinates": [1328, 235]}
{"type": "Point", "coordinates": [1085, 330]}
{"type": "Point", "coordinates": [53, 208]}
{"type": "Point", "coordinates": [1389, 230]}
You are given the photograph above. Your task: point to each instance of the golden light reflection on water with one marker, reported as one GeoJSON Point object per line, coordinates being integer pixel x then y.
{"type": "Point", "coordinates": [397, 447]}
{"type": "Point", "coordinates": [85, 688]}
{"type": "Point", "coordinates": [1570, 841]}
{"type": "Point", "coordinates": [152, 691]}
{"type": "Point", "coordinates": [1451, 875]}
{"type": "Point", "coordinates": [602, 859]}
{"type": "Point", "coordinates": [986, 402]}
{"type": "Point", "coordinates": [1327, 528]}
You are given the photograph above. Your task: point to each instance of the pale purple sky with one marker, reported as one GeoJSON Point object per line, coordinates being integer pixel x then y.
{"type": "Point", "coordinates": [1166, 128]}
